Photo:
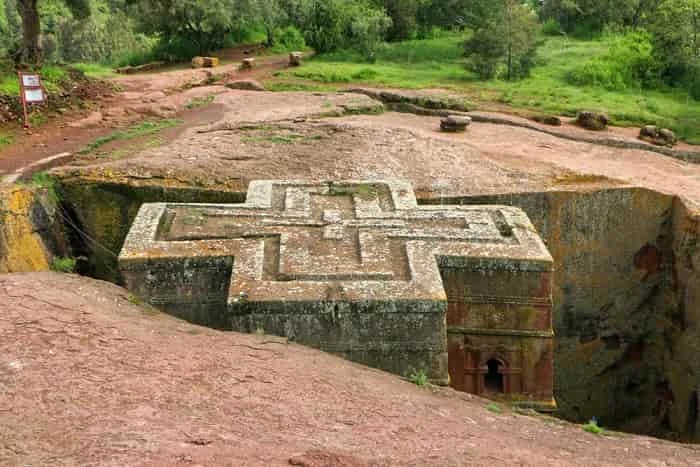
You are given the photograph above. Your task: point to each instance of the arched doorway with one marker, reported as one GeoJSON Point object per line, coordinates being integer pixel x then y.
{"type": "Point", "coordinates": [493, 378]}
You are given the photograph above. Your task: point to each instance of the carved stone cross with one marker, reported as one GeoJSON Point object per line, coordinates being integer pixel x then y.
{"type": "Point", "coordinates": [356, 268]}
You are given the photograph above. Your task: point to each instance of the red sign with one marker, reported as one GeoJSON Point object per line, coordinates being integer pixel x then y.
{"type": "Point", "coordinates": [31, 91]}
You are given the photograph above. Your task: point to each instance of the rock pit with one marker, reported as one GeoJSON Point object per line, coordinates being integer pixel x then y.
{"type": "Point", "coordinates": [622, 225]}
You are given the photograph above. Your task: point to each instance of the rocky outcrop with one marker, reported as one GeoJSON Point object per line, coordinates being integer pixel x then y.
{"type": "Point", "coordinates": [595, 121]}
{"type": "Point", "coordinates": [31, 231]}
{"type": "Point", "coordinates": [455, 123]}
{"type": "Point", "coordinates": [245, 85]}
{"type": "Point", "coordinates": [659, 136]}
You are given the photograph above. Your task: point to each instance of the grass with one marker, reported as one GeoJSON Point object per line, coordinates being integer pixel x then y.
{"type": "Point", "coordinates": [6, 139]}
{"type": "Point", "coordinates": [419, 378]}
{"type": "Point", "coordinates": [64, 265]}
{"type": "Point", "coordinates": [438, 62]}
{"type": "Point", "coordinates": [494, 408]}
{"type": "Point", "coordinates": [142, 129]}
{"type": "Point", "coordinates": [138, 301]}
{"type": "Point", "coordinates": [44, 181]}
{"type": "Point", "coordinates": [593, 428]}
{"type": "Point", "coordinates": [95, 70]}
{"type": "Point", "coordinates": [51, 78]}
{"type": "Point", "coordinates": [198, 102]}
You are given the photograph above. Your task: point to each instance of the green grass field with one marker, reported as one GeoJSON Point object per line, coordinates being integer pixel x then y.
{"type": "Point", "coordinates": [439, 63]}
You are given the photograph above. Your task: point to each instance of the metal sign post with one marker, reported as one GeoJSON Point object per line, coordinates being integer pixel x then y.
{"type": "Point", "coordinates": [31, 90]}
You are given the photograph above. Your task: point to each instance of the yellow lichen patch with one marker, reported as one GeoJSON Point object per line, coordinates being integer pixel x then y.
{"type": "Point", "coordinates": [21, 248]}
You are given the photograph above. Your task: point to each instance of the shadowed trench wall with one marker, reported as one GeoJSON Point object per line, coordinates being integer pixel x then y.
{"type": "Point", "coordinates": [626, 305]}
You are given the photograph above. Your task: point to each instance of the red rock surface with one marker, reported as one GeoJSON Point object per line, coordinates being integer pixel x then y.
{"type": "Point", "coordinates": [89, 378]}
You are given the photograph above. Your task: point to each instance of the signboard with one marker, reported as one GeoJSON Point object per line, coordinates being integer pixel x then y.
{"type": "Point", "coordinates": [31, 81]}
{"type": "Point", "coordinates": [31, 90]}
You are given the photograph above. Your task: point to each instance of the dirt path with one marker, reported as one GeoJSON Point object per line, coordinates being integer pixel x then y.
{"type": "Point", "coordinates": [141, 97]}
{"type": "Point", "coordinates": [89, 378]}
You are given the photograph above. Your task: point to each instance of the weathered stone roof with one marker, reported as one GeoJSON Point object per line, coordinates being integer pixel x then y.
{"type": "Point", "coordinates": [350, 241]}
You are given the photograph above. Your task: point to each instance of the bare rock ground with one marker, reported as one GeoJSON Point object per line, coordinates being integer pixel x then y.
{"type": "Point", "coordinates": [87, 377]}
{"type": "Point", "coordinates": [489, 158]}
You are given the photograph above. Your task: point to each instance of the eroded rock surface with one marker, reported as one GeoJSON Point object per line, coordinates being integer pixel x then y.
{"type": "Point", "coordinates": [89, 377]}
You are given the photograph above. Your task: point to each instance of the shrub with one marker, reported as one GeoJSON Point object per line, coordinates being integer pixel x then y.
{"type": "Point", "coordinates": [331, 25]}
{"type": "Point", "coordinates": [593, 428]}
{"type": "Point", "coordinates": [65, 265]}
{"type": "Point", "coordinates": [551, 27]}
{"type": "Point", "coordinates": [629, 63]}
{"type": "Point", "coordinates": [494, 408]}
{"type": "Point", "coordinates": [419, 378]}
{"type": "Point", "coordinates": [289, 39]}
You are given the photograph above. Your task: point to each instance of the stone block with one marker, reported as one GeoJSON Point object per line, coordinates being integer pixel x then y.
{"type": "Point", "coordinates": [455, 123]}
{"type": "Point", "coordinates": [205, 62]}
{"type": "Point", "coordinates": [295, 58]}
{"type": "Point", "coordinates": [595, 121]}
{"type": "Point", "coordinates": [248, 64]}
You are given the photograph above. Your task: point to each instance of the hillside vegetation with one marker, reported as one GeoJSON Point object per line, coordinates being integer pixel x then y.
{"type": "Point", "coordinates": [558, 82]}
{"type": "Point", "coordinates": [638, 60]}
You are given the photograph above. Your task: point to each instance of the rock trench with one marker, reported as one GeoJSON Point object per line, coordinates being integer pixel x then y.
{"type": "Point", "coordinates": [625, 292]}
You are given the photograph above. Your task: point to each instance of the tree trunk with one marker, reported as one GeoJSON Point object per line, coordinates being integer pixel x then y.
{"type": "Point", "coordinates": [270, 36]}
{"type": "Point", "coordinates": [31, 52]}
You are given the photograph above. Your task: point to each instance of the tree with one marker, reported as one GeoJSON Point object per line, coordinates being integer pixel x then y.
{"type": "Point", "coordinates": [676, 37]}
{"type": "Point", "coordinates": [31, 50]}
{"type": "Point", "coordinates": [505, 38]}
{"type": "Point", "coordinates": [273, 16]}
{"type": "Point", "coordinates": [330, 25]}
{"type": "Point", "coordinates": [199, 23]}
{"type": "Point", "coordinates": [403, 18]}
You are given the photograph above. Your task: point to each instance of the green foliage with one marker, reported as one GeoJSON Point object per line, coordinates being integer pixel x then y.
{"type": "Point", "coordinates": [505, 42]}
{"type": "Point", "coordinates": [551, 27]}
{"type": "Point", "coordinates": [64, 265]}
{"type": "Point", "coordinates": [6, 139]}
{"type": "Point", "coordinates": [288, 39]}
{"type": "Point", "coordinates": [136, 131]}
{"type": "Point", "coordinates": [436, 63]}
{"type": "Point", "coordinates": [45, 182]}
{"type": "Point", "coordinates": [403, 14]}
{"type": "Point", "coordinates": [194, 25]}
{"type": "Point", "coordinates": [94, 70]}
{"type": "Point", "coordinates": [676, 35]}
{"type": "Point", "coordinates": [593, 428]}
{"type": "Point", "coordinates": [629, 63]}
{"type": "Point", "coordinates": [494, 408]}
{"type": "Point", "coordinates": [331, 25]}
{"type": "Point", "coordinates": [198, 102]}
{"type": "Point", "coordinates": [419, 378]}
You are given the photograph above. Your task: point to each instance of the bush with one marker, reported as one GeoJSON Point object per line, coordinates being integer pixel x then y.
{"type": "Point", "coordinates": [65, 265]}
{"type": "Point", "coordinates": [331, 25]}
{"type": "Point", "coordinates": [629, 63]}
{"type": "Point", "coordinates": [551, 27]}
{"type": "Point", "coordinates": [288, 39]}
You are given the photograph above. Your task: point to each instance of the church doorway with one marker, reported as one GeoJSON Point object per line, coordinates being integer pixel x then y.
{"type": "Point", "coordinates": [493, 378]}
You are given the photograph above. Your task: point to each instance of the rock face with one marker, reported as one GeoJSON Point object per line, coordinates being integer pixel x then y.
{"type": "Point", "coordinates": [455, 123]}
{"type": "Point", "coordinates": [30, 232]}
{"type": "Point", "coordinates": [657, 136]}
{"type": "Point", "coordinates": [595, 121]}
{"type": "Point", "coordinates": [246, 85]}
{"type": "Point", "coordinates": [359, 269]}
